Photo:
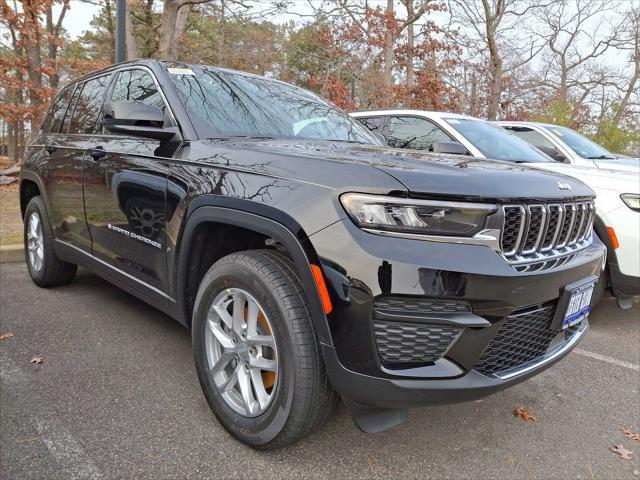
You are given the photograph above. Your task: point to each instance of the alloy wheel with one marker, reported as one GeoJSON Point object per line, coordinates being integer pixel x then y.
{"type": "Point", "coordinates": [241, 352]}
{"type": "Point", "coordinates": [35, 241]}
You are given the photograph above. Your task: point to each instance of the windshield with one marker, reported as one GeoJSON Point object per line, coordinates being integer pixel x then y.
{"type": "Point", "coordinates": [495, 142]}
{"type": "Point", "coordinates": [579, 143]}
{"type": "Point", "coordinates": [231, 104]}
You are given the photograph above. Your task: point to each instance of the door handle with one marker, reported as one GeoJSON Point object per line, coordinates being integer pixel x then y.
{"type": "Point", "coordinates": [50, 149]}
{"type": "Point", "coordinates": [97, 153]}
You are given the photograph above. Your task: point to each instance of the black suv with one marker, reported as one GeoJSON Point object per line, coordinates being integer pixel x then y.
{"type": "Point", "coordinates": [308, 260]}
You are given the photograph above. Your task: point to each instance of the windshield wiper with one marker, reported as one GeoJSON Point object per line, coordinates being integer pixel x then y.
{"type": "Point", "coordinates": [602, 157]}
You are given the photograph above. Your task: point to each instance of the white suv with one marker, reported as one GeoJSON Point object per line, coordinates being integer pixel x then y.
{"type": "Point", "coordinates": [568, 146]}
{"type": "Point", "coordinates": [616, 183]}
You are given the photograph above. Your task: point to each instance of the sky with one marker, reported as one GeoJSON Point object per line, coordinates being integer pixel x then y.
{"type": "Point", "coordinates": [79, 15]}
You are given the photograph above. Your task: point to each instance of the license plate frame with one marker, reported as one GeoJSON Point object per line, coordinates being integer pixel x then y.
{"type": "Point", "coordinates": [575, 303]}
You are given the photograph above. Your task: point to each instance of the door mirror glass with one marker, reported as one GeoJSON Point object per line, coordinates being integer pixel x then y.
{"type": "Point", "coordinates": [137, 119]}
{"type": "Point", "coordinates": [453, 148]}
{"type": "Point", "coordinates": [555, 154]}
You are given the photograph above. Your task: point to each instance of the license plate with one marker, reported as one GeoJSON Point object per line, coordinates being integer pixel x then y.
{"type": "Point", "coordinates": [579, 303]}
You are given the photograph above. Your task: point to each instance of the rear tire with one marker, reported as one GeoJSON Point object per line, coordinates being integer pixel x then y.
{"type": "Point", "coordinates": [301, 398]}
{"type": "Point", "coordinates": [45, 268]}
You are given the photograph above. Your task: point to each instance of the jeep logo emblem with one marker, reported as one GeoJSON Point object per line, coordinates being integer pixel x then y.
{"type": "Point", "coordinates": [564, 186]}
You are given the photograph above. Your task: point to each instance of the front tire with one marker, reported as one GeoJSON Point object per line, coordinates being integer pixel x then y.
{"type": "Point", "coordinates": [45, 268]}
{"type": "Point", "coordinates": [256, 353]}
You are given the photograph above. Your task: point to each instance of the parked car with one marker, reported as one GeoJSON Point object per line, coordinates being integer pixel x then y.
{"type": "Point", "coordinates": [618, 191]}
{"type": "Point", "coordinates": [308, 260]}
{"type": "Point", "coordinates": [566, 145]}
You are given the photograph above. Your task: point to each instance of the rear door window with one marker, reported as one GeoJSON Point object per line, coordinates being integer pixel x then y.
{"type": "Point", "coordinates": [69, 111]}
{"type": "Point", "coordinates": [88, 106]}
{"type": "Point", "coordinates": [54, 118]}
{"type": "Point", "coordinates": [415, 133]}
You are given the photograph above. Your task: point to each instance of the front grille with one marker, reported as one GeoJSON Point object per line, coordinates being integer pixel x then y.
{"type": "Point", "coordinates": [538, 232]}
{"type": "Point", "coordinates": [405, 345]}
{"type": "Point", "coordinates": [411, 305]}
{"type": "Point", "coordinates": [523, 338]}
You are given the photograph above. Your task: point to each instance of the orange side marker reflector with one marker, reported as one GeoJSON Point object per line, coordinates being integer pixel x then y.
{"type": "Point", "coordinates": [322, 288]}
{"type": "Point", "coordinates": [612, 235]}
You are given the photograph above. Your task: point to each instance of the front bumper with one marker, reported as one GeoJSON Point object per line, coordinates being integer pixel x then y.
{"type": "Point", "coordinates": [404, 393]}
{"type": "Point", "coordinates": [362, 268]}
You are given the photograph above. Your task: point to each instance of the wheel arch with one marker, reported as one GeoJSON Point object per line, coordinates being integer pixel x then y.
{"type": "Point", "coordinates": [30, 186]}
{"type": "Point", "coordinates": [272, 226]}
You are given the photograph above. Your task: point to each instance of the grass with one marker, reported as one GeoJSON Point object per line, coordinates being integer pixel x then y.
{"type": "Point", "coordinates": [10, 219]}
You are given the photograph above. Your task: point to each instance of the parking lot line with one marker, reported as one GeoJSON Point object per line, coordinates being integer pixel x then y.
{"type": "Point", "coordinates": [604, 358]}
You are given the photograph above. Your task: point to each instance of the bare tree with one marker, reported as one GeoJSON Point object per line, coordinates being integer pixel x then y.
{"type": "Point", "coordinates": [575, 35]}
{"type": "Point", "coordinates": [629, 40]}
{"type": "Point", "coordinates": [491, 27]}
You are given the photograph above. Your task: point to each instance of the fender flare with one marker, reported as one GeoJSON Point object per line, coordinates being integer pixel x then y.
{"type": "Point", "coordinates": [301, 250]}
{"type": "Point", "coordinates": [33, 177]}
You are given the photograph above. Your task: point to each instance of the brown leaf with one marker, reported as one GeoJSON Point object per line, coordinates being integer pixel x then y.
{"type": "Point", "coordinates": [5, 336]}
{"type": "Point", "coordinates": [630, 435]}
{"type": "Point", "coordinates": [36, 360]}
{"type": "Point", "coordinates": [521, 412]}
{"type": "Point", "coordinates": [621, 452]}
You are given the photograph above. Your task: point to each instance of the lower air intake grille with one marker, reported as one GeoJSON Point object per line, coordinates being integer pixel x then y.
{"type": "Point", "coordinates": [523, 338]}
{"type": "Point", "coordinates": [405, 345]}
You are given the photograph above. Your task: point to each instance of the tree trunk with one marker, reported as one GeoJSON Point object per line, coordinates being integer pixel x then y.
{"type": "Point", "coordinates": [132, 45]}
{"type": "Point", "coordinates": [174, 21]}
{"type": "Point", "coordinates": [495, 62]}
{"type": "Point", "coordinates": [410, 44]}
{"type": "Point", "coordinates": [111, 29]}
{"type": "Point", "coordinates": [221, 33]}
{"type": "Point", "coordinates": [388, 46]}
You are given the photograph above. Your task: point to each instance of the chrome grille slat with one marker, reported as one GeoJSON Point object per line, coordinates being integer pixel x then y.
{"type": "Point", "coordinates": [542, 236]}
{"type": "Point", "coordinates": [554, 223]}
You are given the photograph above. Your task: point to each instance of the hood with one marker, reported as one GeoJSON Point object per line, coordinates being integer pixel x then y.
{"type": "Point", "coordinates": [436, 175]}
{"type": "Point", "coordinates": [622, 181]}
{"type": "Point", "coordinates": [626, 164]}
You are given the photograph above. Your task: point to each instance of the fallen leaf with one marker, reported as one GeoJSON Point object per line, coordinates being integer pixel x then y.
{"type": "Point", "coordinates": [521, 412]}
{"type": "Point", "coordinates": [5, 336]}
{"type": "Point", "coordinates": [621, 452]}
{"type": "Point", "coordinates": [630, 435]}
{"type": "Point", "coordinates": [36, 360]}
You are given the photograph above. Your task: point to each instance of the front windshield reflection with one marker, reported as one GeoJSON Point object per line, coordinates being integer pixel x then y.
{"type": "Point", "coordinates": [231, 104]}
{"type": "Point", "coordinates": [580, 144]}
{"type": "Point", "coordinates": [496, 143]}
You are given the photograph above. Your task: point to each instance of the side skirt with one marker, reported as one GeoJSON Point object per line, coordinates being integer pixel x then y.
{"type": "Point", "coordinates": [139, 289]}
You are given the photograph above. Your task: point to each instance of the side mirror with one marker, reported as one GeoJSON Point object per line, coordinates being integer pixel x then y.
{"type": "Point", "coordinates": [555, 154]}
{"type": "Point", "coordinates": [137, 119]}
{"type": "Point", "coordinates": [453, 148]}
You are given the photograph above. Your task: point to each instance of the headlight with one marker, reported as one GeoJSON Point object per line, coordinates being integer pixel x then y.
{"type": "Point", "coordinates": [631, 200]}
{"type": "Point", "coordinates": [427, 217]}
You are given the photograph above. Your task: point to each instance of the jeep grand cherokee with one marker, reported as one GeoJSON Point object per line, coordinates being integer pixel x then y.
{"type": "Point", "coordinates": [308, 260]}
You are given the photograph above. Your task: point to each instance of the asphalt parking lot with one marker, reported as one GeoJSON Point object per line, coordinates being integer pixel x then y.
{"type": "Point", "coordinates": [116, 396]}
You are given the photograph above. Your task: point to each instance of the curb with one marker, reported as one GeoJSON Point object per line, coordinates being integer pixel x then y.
{"type": "Point", "coordinates": [11, 253]}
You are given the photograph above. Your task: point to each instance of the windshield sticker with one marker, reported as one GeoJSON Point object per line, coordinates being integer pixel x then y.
{"type": "Point", "coordinates": [180, 71]}
{"type": "Point", "coordinates": [557, 132]}
{"type": "Point", "coordinates": [451, 120]}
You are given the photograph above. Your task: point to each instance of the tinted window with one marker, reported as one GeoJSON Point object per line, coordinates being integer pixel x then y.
{"type": "Point", "coordinates": [88, 106]}
{"type": "Point", "coordinates": [415, 133]}
{"type": "Point", "coordinates": [55, 116]}
{"type": "Point", "coordinates": [69, 112]}
{"type": "Point", "coordinates": [136, 86]}
{"type": "Point", "coordinates": [228, 104]}
{"type": "Point", "coordinates": [375, 124]}
{"type": "Point", "coordinates": [531, 136]}
{"type": "Point", "coordinates": [495, 142]}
